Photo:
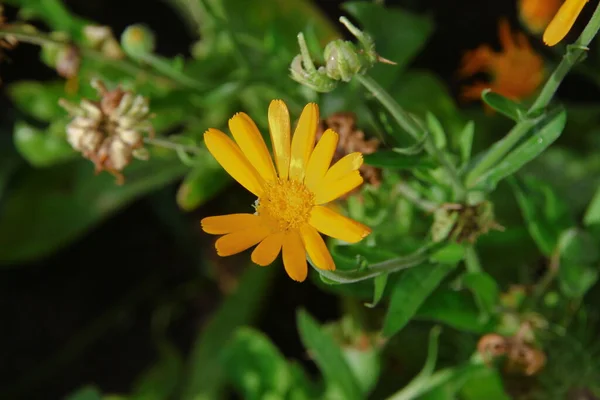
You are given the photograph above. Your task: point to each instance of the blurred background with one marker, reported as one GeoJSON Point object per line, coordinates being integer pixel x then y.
{"type": "Point", "coordinates": [93, 311]}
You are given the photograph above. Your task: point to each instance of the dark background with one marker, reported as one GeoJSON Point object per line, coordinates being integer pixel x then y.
{"type": "Point", "coordinates": [85, 314]}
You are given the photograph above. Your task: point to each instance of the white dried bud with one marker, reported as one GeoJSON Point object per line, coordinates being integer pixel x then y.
{"type": "Point", "coordinates": [108, 131]}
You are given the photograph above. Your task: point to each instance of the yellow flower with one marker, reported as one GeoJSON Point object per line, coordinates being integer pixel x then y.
{"type": "Point", "coordinates": [515, 72]}
{"type": "Point", "coordinates": [291, 208]}
{"type": "Point", "coordinates": [563, 21]}
{"type": "Point", "coordinates": [537, 14]}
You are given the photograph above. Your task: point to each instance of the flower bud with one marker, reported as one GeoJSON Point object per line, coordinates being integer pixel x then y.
{"type": "Point", "coordinates": [137, 41]}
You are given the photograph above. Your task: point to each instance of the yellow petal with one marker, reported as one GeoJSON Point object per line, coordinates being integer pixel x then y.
{"type": "Point", "coordinates": [332, 224]}
{"type": "Point", "coordinates": [320, 159]}
{"type": "Point", "coordinates": [222, 224]}
{"type": "Point", "coordinates": [563, 21]}
{"type": "Point", "coordinates": [294, 256]}
{"type": "Point", "coordinates": [316, 248]}
{"type": "Point", "coordinates": [348, 163]}
{"type": "Point", "coordinates": [248, 137]}
{"type": "Point", "coordinates": [279, 127]}
{"type": "Point", "coordinates": [241, 240]}
{"type": "Point", "coordinates": [328, 191]}
{"type": "Point", "coordinates": [303, 140]}
{"type": "Point", "coordinates": [231, 158]}
{"type": "Point", "coordinates": [267, 251]}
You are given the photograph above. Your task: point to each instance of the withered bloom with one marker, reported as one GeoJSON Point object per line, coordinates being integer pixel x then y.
{"type": "Point", "coordinates": [521, 356]}
{"type": "Point", "coordinates": [109, 132]}
{"type": "Point", "coordinates": [351, 139]}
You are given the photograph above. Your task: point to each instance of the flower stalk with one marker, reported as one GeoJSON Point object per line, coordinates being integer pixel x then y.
{"type": "Point", "coordinates": [574, 54]}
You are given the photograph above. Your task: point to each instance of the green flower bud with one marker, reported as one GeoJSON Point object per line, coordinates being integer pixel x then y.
{"type": "Point", "coordinates": [138, 41]}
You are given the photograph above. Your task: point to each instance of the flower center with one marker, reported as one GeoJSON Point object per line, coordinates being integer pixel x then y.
{"type": "Point", "coordinates": [285, 204]}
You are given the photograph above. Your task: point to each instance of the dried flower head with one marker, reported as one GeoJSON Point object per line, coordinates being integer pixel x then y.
{"type": "Point", "coordinates": [521, 356]}
{"type": "Point", "coordinates": [109, 132]}
{"type": "Point", "coordinates": [351, 140]}
{"type": "Point", "coordinates": [460, 222]}
{"type": "Point", "coordinates": [515, 72]}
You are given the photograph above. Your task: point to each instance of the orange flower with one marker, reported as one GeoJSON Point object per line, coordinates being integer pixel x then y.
{"type": "Point", "coordinates": [563, 21]}
{"type": "Point", "coordinates": [537, 14]}
{"type": "Point", "coordinates": [515, 72]}
{"type": "Point", "coordinates": [293, 193]}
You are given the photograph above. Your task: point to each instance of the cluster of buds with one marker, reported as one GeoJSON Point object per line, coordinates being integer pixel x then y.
{"type": "Point", "coordinates": [343, 60]}
{"type": "Point", "coordinates": [461, 222]}
{"type": "Point", "coordinates": [110, 132]}
{"type": "Point", "coordinates": [521, 356]}
{"type": "Point", "coordinates": [351, 139]}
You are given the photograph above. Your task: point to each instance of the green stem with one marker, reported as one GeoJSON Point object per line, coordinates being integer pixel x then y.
{"type": "Point", "coordinates": [171, 145]}
{"type": "Point", "coordinates": [172, 77]}
{"type": "Point", "coordinates": [573, 55]}
{"type": "Point", "coordinates": [384, 267]}
{"type": "Point", "coordinates": [416, 130]}
{"type": "Point", "coordinates": [472, 259]}
{"type": "Point", "coordinates": [413, 196]}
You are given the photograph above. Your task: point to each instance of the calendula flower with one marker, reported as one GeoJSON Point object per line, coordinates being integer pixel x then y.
{"type": "Point", "coordinates": [291, 208]}
{"type": "Point", "coordinates": [563, 21]}
{"type": "Point", "coordinates": [537, 14]}
{"type": "Point", "coordinates": [515, 72]}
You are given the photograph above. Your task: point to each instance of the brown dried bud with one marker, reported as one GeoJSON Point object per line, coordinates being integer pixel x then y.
{"type": "Point", "coordinates": [109, 132]}
{"type": "Point", "coordinates": [351, 139]}
{"type": "Point", "coordinates": [521, 356]}
{"type": "Point", "coordinates": [461, 222]}
{"type": "Point", "coordinates": [68, 61]}
{"type": "Point", "coordinates": [6, 42]}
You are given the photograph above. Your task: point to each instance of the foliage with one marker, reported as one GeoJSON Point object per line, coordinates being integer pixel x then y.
{"type": "Point", "coordinates": [461, 214]}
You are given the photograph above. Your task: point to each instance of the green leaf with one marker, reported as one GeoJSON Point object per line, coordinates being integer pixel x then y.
{"type": "Point", "coordinates": [40, 100]}
{"type": "Point", "coordinates": [85, 393]}
{"type": "Point", "coordinates": [453, 308]}
{"type": "Point", "coordinates": [42, 149]}
{"type": "Point", "coordinates": [255, 366]}
{"type": "Point", "coordinates": [162, 379]}
{"type": "Point", "coordinates": [399, 35]}
{"type": "Point", "coordinates": [436, 129]}
{"type": "Point", "coordinates": [328, 357]}
{"type": "Point", "coordinates": [49, 208]}
{"type": "Point", "coordinates": [423, 382]}
{"type": "Point", "coordinates": [205, 377]}
{"type": "Point", "coordinates": [410, 292]}
{"type": "Point", "coordinates": [465, 142]}
{"type": "Point", "coordinates": [577, 246]}
{"type": "Point", "coordinates": [202, 183]}
{"type": "Point", "coordinates": [576, 279]}
{"type": "Point", "coordinates": [394, 160]}
{"type": "Point", "coordinates": [421, 92]}
{"type": "Point", "coordinates": [592, 213]}
{"type": "Point", "coordinates": [546, 216]}
{"type": "Point", "coordinates": [542, 136]}
{"type": "Point", "coordinates": [487, 384]}
{"type": "Point", "coordinates": [451, 253]}
{"type": "Point", "coordinates": [485, 289]}
{"type": "Point", "coordinates": [503, 105]}
{"type": "Point", "coordinates": [379, 287]}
